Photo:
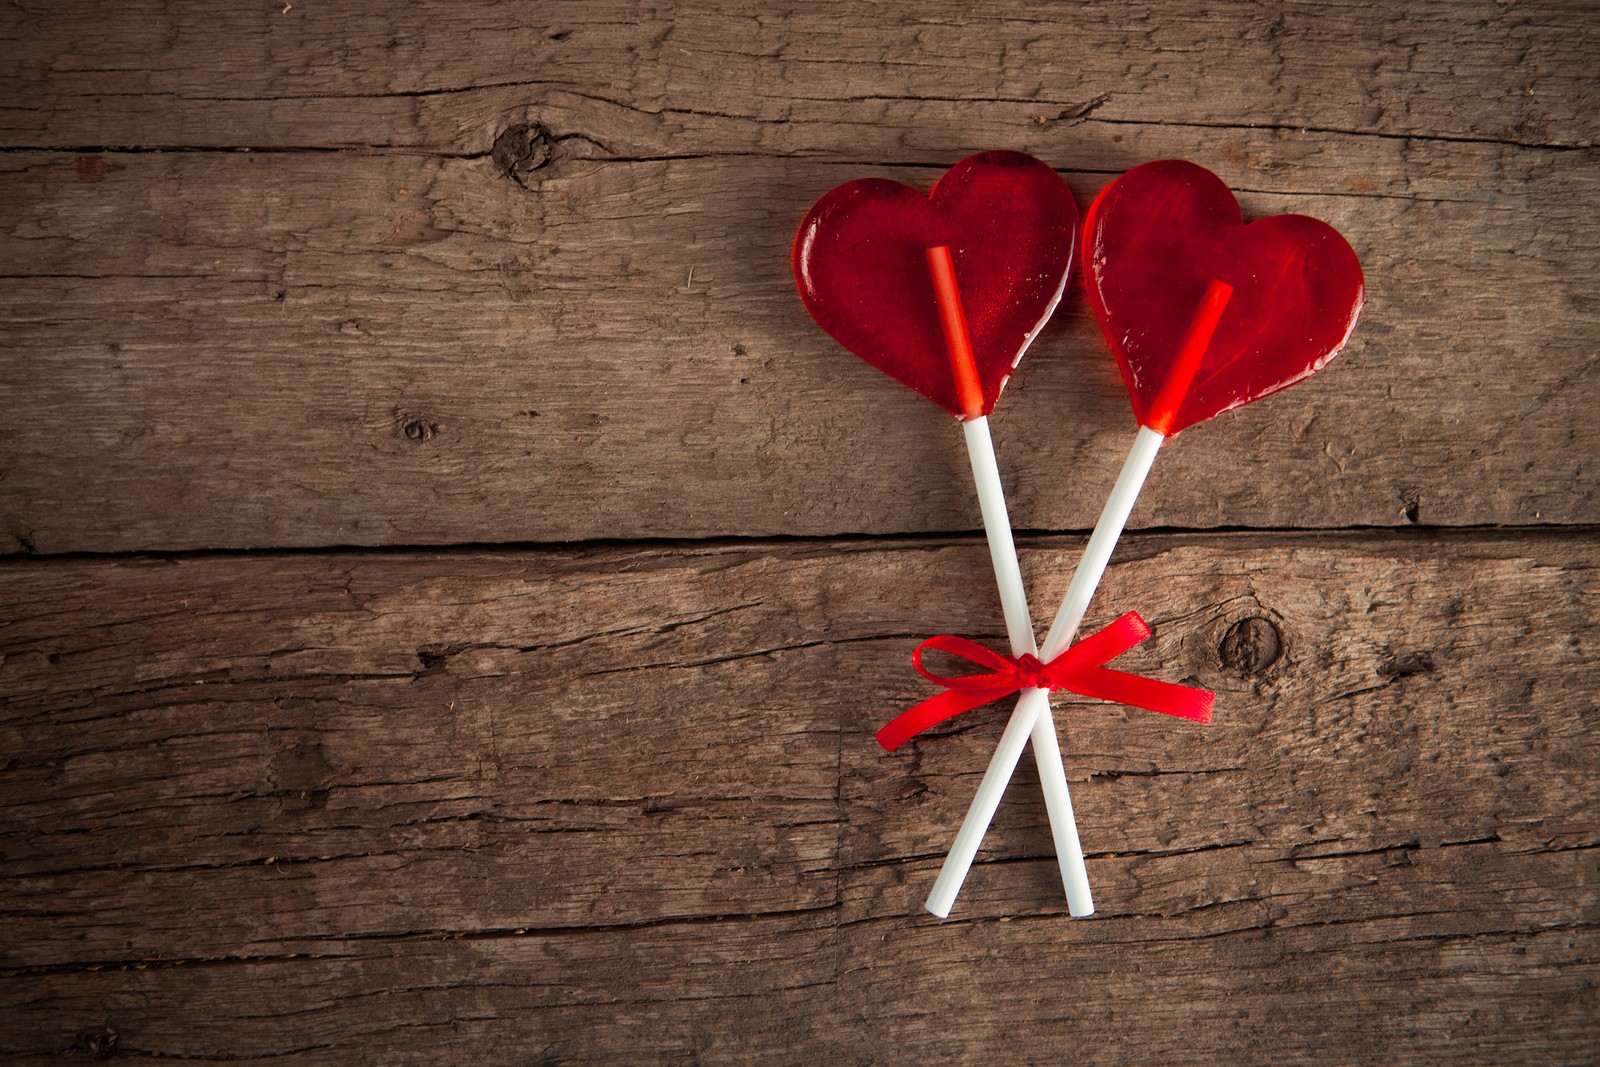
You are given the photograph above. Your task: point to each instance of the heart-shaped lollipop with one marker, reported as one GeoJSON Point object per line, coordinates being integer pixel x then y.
{"type": "Point", "coordinates": [1156, 242]}
{"type": "Point", "coordinates": [860, 261]}
{"type": "Point", "coordinates": [944, 293]}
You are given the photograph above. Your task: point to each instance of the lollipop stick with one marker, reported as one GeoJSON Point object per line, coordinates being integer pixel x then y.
{"type": "Point", "coordinates": [1013, 598]}
{"type": "Point", "coordinates": [1165, 406]}
{"type": "Point", "coordinates": [1113, 517]}
{"type": "Point", "coordinates": [1034, 705]}
{"type": "Point", "coordinates": [1096, 555]}
{"type": "Point", "coordinates": [1040, 725]}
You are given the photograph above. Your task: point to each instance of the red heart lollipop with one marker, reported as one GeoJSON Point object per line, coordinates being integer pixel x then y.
{"type": "Point", "coordinates": [861, 264]}
{"type": "Point", "coordinates": [1156, 240]}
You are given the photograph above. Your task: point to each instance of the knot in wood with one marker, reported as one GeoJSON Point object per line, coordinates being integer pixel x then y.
{"type": "Point", "coordinates": [101, 1043]}
{"type": "Point", "coordinates": [415, 427]}
{"type": "Point", "coordinates": [522, 149]}
{"type": "Point", "coordinates": [1251, 645]}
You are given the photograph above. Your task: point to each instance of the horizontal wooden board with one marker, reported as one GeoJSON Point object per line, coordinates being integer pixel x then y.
{"type": "Point", "coordinates": [778, 991]}
{"type": "Point", "coordinates": [306, 349]}
{"type": "Point", "coordinates": [779, 78]}
{"type": "Point", "coordinates": [624, 803]}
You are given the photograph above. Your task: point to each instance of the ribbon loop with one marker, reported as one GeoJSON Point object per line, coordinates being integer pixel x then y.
{"type": "Point", "coordinates": [1080, 669]}
{"type": "Point", "coordinates": [970, 651]}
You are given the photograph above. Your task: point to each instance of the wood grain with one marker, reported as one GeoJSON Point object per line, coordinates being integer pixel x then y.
{"type": "Point", "coordinates": [781, 77]}
{"type": "Point", "coordinates": [586, 805]}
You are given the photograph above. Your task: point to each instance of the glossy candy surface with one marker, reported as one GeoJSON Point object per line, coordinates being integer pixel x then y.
{"type": "Point", "coordinates": [860, 259]}
{"type": "Point", "coordinates": [1154, 241]}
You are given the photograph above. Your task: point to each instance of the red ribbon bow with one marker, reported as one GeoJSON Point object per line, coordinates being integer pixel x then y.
{"type": "Point", "coordinates": [1080, 669]}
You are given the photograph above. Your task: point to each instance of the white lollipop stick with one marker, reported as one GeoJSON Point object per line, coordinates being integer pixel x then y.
{"type": "Point", "coordinates": [1107, 530]}
{"type": "Point", "coordinates": [1041, 725]}
{"type": "Point", "coordinates": [1034, 705]}
{"type": "Point", "coordinates": [1008, 576]}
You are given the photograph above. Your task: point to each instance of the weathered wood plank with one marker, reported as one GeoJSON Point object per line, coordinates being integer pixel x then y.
{"type": "Point", "coordinates": [313, 349]}
{"type": "Point", "coordinates": [766, 991]}
{"type": "Point", "coordinates": [782, 78]}
{"type": "Point", "coordinates": [576, 805]}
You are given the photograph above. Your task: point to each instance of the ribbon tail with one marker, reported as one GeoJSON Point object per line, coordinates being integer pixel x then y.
{"type": "Point", "coordinates": [935, 710]}
{"type": "Point", "coordinates": [1151, 694]}
{"type": "Point", "coordinates": [1105, 644]}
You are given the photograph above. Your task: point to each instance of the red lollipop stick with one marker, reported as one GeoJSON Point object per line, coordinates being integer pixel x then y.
{"type": "Point", "coordinates": [1184, 368]}
{"type": "Point", "coordinates": [1038, 724]}
{"type": "Point", "coordinates": [969, 390]}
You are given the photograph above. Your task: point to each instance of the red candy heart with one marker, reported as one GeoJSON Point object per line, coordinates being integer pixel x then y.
{"type": "Point", "coordinates": [1158, 237]}
{"type": "Point", "coordinates": [860, 261]}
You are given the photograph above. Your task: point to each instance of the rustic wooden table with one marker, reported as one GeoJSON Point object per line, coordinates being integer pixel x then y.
{"type": "Point", "coordinates": [453, 586]}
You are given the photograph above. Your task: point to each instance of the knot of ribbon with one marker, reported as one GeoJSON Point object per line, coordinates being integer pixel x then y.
{"type": "Point", "coordinates": [1080, 669]}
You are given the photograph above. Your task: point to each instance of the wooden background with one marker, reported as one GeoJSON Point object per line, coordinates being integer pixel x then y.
{"type": "Point", "coordinates": [451, 586]}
